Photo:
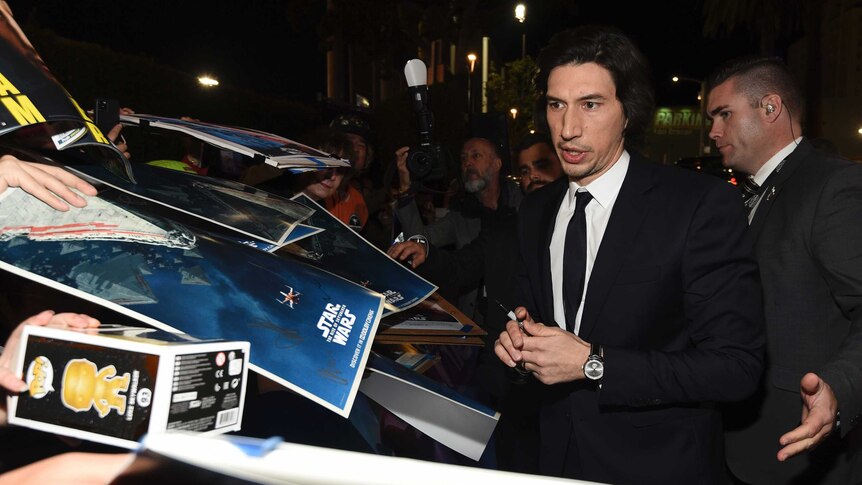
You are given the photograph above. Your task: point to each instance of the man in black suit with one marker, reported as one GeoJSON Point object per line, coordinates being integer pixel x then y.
{"type": "Point", "coordinates": [806, 223]}
{"type": "Point", "coordinates": [653, 274]}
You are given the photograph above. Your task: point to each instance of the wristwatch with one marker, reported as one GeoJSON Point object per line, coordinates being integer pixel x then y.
{"type": "Point", "coordinates": [418, 238]}
{"type": "Point", "coordinates": [594, 367]}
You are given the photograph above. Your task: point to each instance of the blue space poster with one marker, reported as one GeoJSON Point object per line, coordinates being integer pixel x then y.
{"type": "Point", "coordinates": [309, 330]}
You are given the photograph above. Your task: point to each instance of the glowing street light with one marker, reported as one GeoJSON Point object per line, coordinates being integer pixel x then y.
{"type": "Point", "coordinates": [207, 81]}
{"type": "Point", "coordinates": [471, 58]}
{"type": "Point", "coordinates": [514, 113]}
{"type": "Point", "coordinates": [521, 16]}
{"type": "Point", "coordinates": [859, 131]}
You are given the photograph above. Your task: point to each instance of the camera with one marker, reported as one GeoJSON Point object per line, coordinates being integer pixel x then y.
{"type": "Point", "coordinates": [426, 161]}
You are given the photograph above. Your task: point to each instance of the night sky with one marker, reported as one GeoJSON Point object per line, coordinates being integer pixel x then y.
{"type": "Point", "coordinates": [272, 46]}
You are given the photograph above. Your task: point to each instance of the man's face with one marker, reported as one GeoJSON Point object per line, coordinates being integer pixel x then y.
{"type": "Point", "coordinates": [586, 120]}
{"type": "Point", "coordinates": [538, 166]}
{"type": "Point", "coordinates": [737, 128]}
{"type": "Point", "coordinates": [479, 164]}
{"type": "Point", "coordinates": [360, 151]}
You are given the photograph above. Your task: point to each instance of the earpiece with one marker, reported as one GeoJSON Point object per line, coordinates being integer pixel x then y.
{"type": "Point", "coordinates": [770, 109]}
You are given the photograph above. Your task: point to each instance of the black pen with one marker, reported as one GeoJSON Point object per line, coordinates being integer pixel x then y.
{"type": "Point", "coordinates": [519, 366]}
{"type": "Point", "coordinates": [511, 315]}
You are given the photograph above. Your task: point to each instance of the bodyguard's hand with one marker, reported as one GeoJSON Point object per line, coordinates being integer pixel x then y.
{"type": "Point", "coordinates": [47, 183]}
{"type": "Point", "coordinates": [819, 409]}
{"type": "Point", "coordinates": [408, 252]}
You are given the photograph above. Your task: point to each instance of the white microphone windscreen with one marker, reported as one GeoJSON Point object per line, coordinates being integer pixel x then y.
{"type": "Point", "coordinates": [416, 73]}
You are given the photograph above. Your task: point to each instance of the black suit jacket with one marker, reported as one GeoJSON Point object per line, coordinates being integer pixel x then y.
{"type": "Point", "coordinates": [808, 241]}
{"type": "Point", "coordinates": [674, 298]}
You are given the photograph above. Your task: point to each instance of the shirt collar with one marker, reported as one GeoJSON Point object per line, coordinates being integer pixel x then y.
{"type": "Point", "coordinates": [605, 188]}
{"type": "Point", "coordinates": [768, 167]}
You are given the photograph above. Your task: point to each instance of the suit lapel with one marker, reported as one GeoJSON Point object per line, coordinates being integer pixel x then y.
{"type": "Point", "coordinates": [773, 185]}
{"type": "Point", "coordinates": [626, 219]}
{"type": "Point", "coordinates": [549, 218]}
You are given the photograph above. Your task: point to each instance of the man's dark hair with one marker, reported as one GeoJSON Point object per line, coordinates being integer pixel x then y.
{"type": "Point", "coordinates": [611, 49]}
{"type": "Point", "coordinates": [757, 76]}
{"type": "Point", "coordinates": [531, 139]}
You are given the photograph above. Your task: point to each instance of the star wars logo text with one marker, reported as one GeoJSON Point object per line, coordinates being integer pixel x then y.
{"type": "Point", "coordinates": [335, 323]}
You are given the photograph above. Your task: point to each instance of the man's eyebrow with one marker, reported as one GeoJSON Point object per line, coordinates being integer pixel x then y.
{"type": "Point", "coordinates": [586, 97]}
{"type": "Point", "coordinates": [717, 110]}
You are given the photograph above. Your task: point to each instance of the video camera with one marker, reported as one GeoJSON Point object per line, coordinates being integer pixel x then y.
{"type": "Point", "coordinates": [426, 161]}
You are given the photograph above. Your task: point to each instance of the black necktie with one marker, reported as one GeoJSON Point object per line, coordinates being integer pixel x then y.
{"type": "Point", "coordinates": [750, 191]}
{"type": "Point", "coordinates": [575, 259]}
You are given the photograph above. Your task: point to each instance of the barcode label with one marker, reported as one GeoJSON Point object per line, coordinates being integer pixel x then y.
{"type": "Point", "coordinates": [226, 418]}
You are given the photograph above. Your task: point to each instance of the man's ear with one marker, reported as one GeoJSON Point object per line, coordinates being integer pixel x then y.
{"type": "Point", "coordinates": [498, 164]}
{"type": "Point", "coordinates": [772, 106]}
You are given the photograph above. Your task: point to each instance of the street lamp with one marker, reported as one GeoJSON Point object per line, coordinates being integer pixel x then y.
{"type": "Point", "coordinates": [521, 16]}
{"type": "Point", "coordinates": [701, 97]}
{"type": "Point", "coordinates": [514, 113]}
{"type": "Point", "coordinates": [471, 58]}
{"type": "Point", "coordinates": [207, 81]}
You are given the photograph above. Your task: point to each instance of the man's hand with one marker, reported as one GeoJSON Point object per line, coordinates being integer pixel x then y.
{"type": "Point", "coordinates": [819, 409]}
{"type": "Point", "coordinates": [550, 353]}
{"type": "Point", "coordinates": [47, 183]}
{"type": "Point", "coordinates": [403, 171]}
{"type": "Point", "coordinates": [410, 252]}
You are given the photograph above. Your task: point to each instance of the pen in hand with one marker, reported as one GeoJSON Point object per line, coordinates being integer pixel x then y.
{"type": "Point", "coordinates": [511, 315]}
{"type": "Point", "coordinates": [519, 366]}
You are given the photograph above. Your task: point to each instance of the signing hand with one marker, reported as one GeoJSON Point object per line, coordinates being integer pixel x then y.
{"type": "Point", "coordinates": [410, 251]}
{"type": "Point", "coordinates": [47, 183]}
{"type": "Point", "coordinates": [819, 409]}
{"type": "Point", "coordinates": [550, 353]}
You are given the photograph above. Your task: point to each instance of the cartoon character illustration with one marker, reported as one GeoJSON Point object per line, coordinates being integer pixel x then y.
{"type": "Point", "coordinates": [85, 386]}
{"type": "Point", "coordinates": [40, 374]}
{"type": "Point", "coordinates": [290, 297]}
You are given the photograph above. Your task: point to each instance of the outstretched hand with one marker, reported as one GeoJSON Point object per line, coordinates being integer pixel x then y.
{"type": "Point", "coordinates": [819, 411]}
{"type": "Point", "coordinates": [408, 252]}
{"type": "Point", "coordinates": [8, 379]}
{"type": "Point", "coordinates": [47, 183]}
{"type": "Point", "coordinates": [403, 172]}
{"type": "Point", "coordinates": [114, 134]}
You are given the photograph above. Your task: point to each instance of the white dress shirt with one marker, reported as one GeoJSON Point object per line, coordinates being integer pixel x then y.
{"type": "Point", "coordinates": [598, 211]}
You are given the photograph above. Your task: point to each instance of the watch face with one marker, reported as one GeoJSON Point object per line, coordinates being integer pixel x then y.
{"type": "Point", "coordinates": [594, 369]}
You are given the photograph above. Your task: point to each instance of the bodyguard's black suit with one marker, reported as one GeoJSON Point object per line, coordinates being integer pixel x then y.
{"type": "Point", "coordinates": [808, 241]}
{"type": "Point", "coordinates": [675, 300]}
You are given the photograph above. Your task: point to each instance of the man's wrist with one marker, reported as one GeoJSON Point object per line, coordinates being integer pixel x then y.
{"type": "Point", "coordinates": [422, 240]}
{"type": "Point", "coordinates": [594, 366]}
